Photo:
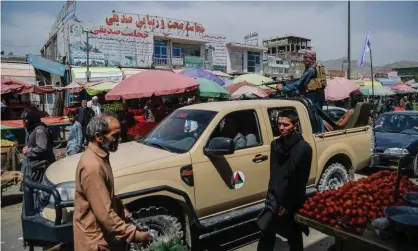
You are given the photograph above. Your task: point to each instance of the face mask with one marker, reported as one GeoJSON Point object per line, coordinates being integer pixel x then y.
{"type": "Point", "coordinates": [109, 146]}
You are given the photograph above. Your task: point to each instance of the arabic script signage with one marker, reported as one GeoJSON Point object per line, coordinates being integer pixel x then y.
{"type": "Point", "coordinates": [109, 46]}
{"type": "Point", "coordinates": [160, 26]}
{"type": "Point", "coordinates": [67, 13]}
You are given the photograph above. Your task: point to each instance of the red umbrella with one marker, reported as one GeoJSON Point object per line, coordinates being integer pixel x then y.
{"type": "Point", "coordinates": [11, 85]}
{"type": "Point", "coordinates": [145, 84]}
{"type": "Point", "coordinates": [13, 81]}
{"type": "Point", "coordinates": [37, 90]}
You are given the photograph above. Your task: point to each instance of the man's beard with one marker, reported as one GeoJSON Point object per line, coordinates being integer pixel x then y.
{"type": "Point", "coordinates": [110, 146]}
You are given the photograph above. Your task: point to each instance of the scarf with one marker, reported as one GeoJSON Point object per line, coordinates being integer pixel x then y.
{"type": "Point", "coordinates": [311, 55]}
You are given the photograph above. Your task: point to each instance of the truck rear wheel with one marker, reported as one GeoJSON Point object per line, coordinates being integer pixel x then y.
{"type": "Point", "coordinates": [159, 222]}
{"type": "Point", "coordinates": [333, 177]}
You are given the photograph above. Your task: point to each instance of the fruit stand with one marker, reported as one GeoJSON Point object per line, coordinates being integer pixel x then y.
{"type": "Point", "coordinates": [351, 212]}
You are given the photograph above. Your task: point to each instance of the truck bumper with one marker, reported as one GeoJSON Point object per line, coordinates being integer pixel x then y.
{"type": "Point", "coordinates": [383, 160]}
{"type": "Point", "coordinates": [39, 231]}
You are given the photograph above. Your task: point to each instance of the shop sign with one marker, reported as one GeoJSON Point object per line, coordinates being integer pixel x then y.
{"type": "Point", "coordinates": [67, 13]}
{"type": "Point", "coordinates": [177, 61]}
{"type": "Point", "coordinates": [277, 43]}
{"type": "Point", "coordinates": [219, 68]}
{"type": "Point", "coordinates": [157, 25]}
{"type": "Point", "coordinates": [194, 62]}
{"type": "Point", "coordinates": [109, 46]}
{"type": "Point", "coordinates": [336, 73]}
{"type": "Point", "coordinates": [392, 74]}
{"type": "Point", "coordinates": [366, 77]}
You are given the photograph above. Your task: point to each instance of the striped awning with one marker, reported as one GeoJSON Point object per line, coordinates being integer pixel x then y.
{"type": "Point", "coordinates": [20, 71]}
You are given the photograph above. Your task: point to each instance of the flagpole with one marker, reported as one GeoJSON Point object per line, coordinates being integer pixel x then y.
{"type": "Point", "coordinates": [371, 70]}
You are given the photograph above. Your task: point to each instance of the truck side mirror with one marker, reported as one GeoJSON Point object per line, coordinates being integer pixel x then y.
{"type": "Point", "coordinates": [219, 146]}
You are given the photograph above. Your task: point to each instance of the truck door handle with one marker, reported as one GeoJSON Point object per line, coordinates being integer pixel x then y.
{"type": "Point", "coordinates": [260, 158]}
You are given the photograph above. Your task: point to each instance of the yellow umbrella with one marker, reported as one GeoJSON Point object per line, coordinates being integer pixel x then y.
{"type": "Point", "coordinates": [255, 79]}
{"type": "Point", "coordinates": [362, 83]}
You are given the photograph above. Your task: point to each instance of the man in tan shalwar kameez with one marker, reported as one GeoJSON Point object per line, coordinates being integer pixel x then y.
{"type": "Point", "coordinates": [99, 216]}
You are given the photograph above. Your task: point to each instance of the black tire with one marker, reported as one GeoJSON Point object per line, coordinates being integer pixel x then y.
{"type": "Point", "coordinates": [159, 222]}
{"type": "Point", "coordinates": [334, 176]}
{"type": "Point", "coordinates": [415, 165]}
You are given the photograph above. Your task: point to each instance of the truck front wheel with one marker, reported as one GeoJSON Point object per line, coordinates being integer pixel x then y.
{"type": "Point", "coordinates": [333, 177]}
{"type": "Point", "coordinates": [159, 222]}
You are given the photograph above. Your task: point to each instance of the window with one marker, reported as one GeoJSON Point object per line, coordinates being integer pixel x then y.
{"type": "Point", "coordinates": [177, 52]}
{"type": "Point", "coordinates": [242, 127]}
{"type": "Point", "coordinates": [160, 49]}
{"type": "Point", "coordinates": [274, 113]}
{"type": "Point", "coordinates": [180, 130]}
{"type": "Point", "coordinates": [253, 61]}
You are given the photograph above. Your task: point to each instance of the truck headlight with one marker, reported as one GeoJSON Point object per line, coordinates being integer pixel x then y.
{"type": "Point", "coordinates": [66, 191]}
{"type": "Point", "coordinates": [397, 151]}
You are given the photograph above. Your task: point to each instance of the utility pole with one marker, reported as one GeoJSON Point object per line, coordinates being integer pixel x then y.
{"type": "Point", "coordinates": [349, 44]}
{"type": "Point", "coordinates": [88, 54]}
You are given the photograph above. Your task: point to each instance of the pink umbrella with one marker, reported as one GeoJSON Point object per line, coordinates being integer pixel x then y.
{"type": "Point", "coordinates": [339, 88]}
{"type": "Point", "coordinates": [145, 84]}
{"type": "Point", "coordinates": [403, 88]}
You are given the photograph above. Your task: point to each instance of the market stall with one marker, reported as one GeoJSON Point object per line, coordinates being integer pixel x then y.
{"type": "Point", "coordinates": [368, 214]}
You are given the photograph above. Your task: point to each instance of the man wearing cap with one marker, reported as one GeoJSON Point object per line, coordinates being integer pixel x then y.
{"type": "Point", "coordinates": [313, 82]}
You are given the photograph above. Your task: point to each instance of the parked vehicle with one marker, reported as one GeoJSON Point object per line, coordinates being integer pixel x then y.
{"type": "Point", "coordinates": [334, 112]}
{"type": "Point", "coordinates": [396, 134]}
{"type": "Point", "coordinates": [189, 178]}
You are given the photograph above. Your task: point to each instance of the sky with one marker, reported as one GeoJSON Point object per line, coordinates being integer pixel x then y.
{"type": "Point", "coordinates": [25, 25]}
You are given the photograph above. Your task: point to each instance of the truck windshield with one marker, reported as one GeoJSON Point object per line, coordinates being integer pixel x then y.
{"type": "Point", "coordinates": [180, 130]}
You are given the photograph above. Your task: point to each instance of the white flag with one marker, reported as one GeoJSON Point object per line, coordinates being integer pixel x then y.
{"type": "Point", "coordinates": [366, 48]}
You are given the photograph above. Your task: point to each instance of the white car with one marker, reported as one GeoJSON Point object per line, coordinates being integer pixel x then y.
{"type": "Point", "coordinates": [334, 112]}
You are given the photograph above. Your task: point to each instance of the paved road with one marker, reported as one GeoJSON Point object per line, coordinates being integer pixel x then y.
{"type": "Point", "coordinates": [243, 239]}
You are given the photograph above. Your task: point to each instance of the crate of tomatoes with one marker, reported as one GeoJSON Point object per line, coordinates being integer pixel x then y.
{"type": "Point", "coordinates": [356, 204]}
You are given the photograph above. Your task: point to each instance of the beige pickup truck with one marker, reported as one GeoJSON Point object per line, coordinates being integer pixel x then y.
{"type": "Point", "coordinates": [191, 177]}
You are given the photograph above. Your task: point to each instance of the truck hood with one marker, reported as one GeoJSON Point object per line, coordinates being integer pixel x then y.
{"type": "Point", "coordinates": [128, 155]}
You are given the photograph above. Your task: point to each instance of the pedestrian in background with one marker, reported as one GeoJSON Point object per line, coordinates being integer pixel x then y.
{"type": "Point", "coordinates": [39, 146]}
{"type": "Point", "coordinates": [100, 218]}
{"type": "Point", "coordinates": [96, 107]}
{"type": "Point", "coordinates": [290, 165]}
{"type": "Point", "coordinates": [83, 115]}
{"type": "Point", "coordinates": [75, 139]}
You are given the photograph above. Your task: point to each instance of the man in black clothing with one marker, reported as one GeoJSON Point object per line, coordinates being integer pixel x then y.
{"type": "Point", "coordinates": [290, 164]}
{"type": "Point", "coordinates": [84, 115]}
{"type": "Point", "coordinates": [127, 120]}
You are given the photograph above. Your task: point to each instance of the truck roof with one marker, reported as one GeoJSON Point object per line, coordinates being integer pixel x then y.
{"type": "Point", "coordinates": [245, 104]}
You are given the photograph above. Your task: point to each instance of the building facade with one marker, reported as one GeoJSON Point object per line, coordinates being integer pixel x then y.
{"type": "Point", "coordinates": [288, 49]}
{"type": "Point", "coordinates": [138, 41]}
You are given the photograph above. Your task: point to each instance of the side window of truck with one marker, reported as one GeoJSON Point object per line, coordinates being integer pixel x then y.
{"type": "Point", "coordinates": [241, 126]}
{"type": "Point", "coordinates": [274, 113]}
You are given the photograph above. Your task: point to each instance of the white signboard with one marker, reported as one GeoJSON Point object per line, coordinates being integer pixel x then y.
{"type": "Point", "coordinates": [110, 46]}
{"type": "Point", "coordinates": [157, 25]}
{"type": "Point", "coordinates": [219, 55]}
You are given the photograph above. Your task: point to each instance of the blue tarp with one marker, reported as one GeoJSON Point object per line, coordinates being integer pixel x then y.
{"type": "Point", "coordinates": [47, 65]}
{"type": "Point", "coordinates": [387, 82]}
